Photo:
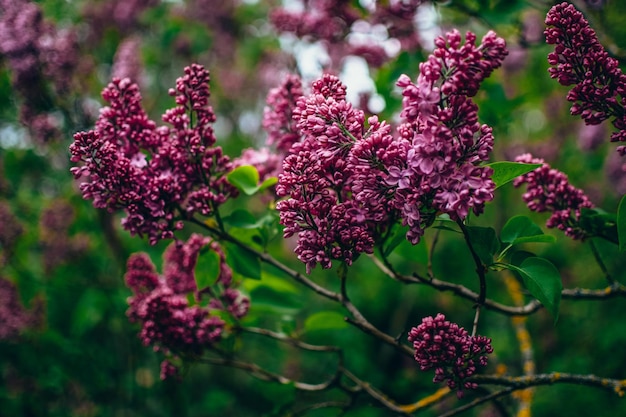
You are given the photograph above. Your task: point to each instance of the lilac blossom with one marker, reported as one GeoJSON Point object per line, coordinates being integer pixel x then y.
{"type": "Point", "coordinates": [316, 177]}
{"type": "Point", "coordinates": [10, 231]}
{"type": "Point", "coordinates": [277, 115]}
{"type": "Point", "coordinates": [599, 91]}
{"type": "Point", "coordinates": [13, 316]}
{"type": "Point", "coordinates": [334, 23]}
{"type": "Point", "coordinates": [37, 54]}
{"type": "Point", "coordinates": [157, 175]}
{"type": "Point", "coordinates": [56, 244]}
{"type": "Point", "coordinates": [174, 316]}
{"type": "Point", "coordinates": [549, 190]}
{"type": "Point", "coordinates": [348, 184]}
{"type": "Point", "coordinates": [450, 350]}
{"type": "Point", "coordinates": [127, 61]}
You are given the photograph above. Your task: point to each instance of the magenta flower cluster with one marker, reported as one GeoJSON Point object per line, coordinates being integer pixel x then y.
{"type": "Point", "coordinates": [176, 318]}
{"type": "Point", "coordinates": [38, 56]}
{"type": "Point", "coordinates": [548, 189]}
{"type": "Point", "coordinates": [348, 184]}
{"type": "Point", "coordinates": [14, 317]}
{"type": "Point", "coordinates": [599, 91]}
{"type": "Point", "coordinates": [338, 24]}
{"type": "Point", "coordinates": [450, 350]}
{"type": "Point", "coordinates": [158, 175]}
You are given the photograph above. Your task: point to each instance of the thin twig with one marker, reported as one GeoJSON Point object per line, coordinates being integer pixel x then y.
{"type": "Point", "coordinates": [478, 401]}
{"type": "Point", "coordinates": [600, 262]}
{"type": "Point", "coordinates": [521, 382]}
{"type": "Point", "coordinates": [480, 267]}
{"type": "Point", "coordinates": [264, 257]}
{"type": "Point", "coordinates": [265, 375]}
{"type": "Point", "coordinates": [290, 340]}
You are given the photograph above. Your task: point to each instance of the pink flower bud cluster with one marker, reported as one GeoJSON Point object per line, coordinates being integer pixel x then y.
{"type": "Point", "coordinates": [580, 60]}
{"type": "Point", "coordinates": [450, 350]}
{"type": "Point", "coordinates": [13, 316]}
{"type": "Point", "coordinates": [348, 184]}
{"type": "Point", "coordinates": [176, 318]}
{"type": "Point", "coordinates": [127, 60]}
{"type": "Point", "coordinates": [57, 245]}
{"type": "Point", "coordinates": [157, 175]}
{"type": "Point", "coordinates": [333, 23]}
{"type": "Point", "coordinates": [10, 232]}
{"type": "Point", "coordinates": [549, 189]}
{"type": "Point", "coordinates": [37, 54]}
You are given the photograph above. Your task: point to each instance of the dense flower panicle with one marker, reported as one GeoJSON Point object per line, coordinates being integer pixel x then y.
{"type": "Point", "coordinates": [13, 316]}
{"type": "Point", "coordinates": [123, 15]}
{"type": "Point", "coordinates": [10, 231]}
{"type": "Point", "coordinates": [170, 321]}
{"type": "Point", "coordinates": [549, 190]}
{"type": "Point", "coordinates": [157, 175]}
{"type": "Point", "coordinates": [57, 245]}
{"type": "Point", "coordinates": [37, 54]}
{"type": "Point", "coordinates": [347, 184]}
{"type": "Point", "coordinates": [580, 60]}
{"type": "Point", "coordinates": [127, 61]}
{"type": "Point", "coordinates": [450, 350]}
{"type": "Point", "coordinates": [277, 115]}
{"type": "Point", "coordinates": [348, 30]}
{"type": "Point", "coordinates": [445, 143]}
{"type": "Point", "coordinates": [317, 177]}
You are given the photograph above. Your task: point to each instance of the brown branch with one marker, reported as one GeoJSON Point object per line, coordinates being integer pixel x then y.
{"type": "Point", "coordinates": [264, 257]}
{"type": "Point", "coordinates": [362, 323]}
{"type": "Point", "coordinates": [265, 375]}
{"type": "Point", "coordinates": [614, 290]}
{"type": "Point", "coordinates": [290, 340]}
{"type": "Point", "coordinates": [521, 382]}
{"type": "Point", "coordinates": [478, 401]}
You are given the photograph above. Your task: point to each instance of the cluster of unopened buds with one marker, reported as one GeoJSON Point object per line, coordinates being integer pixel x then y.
{"type": "Point", "coordinates": [177, 317]}
{"type": "Point", "coordinates": [450, 350]}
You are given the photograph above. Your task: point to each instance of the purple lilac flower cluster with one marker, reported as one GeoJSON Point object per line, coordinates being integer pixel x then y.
{"type": "Point", "coordinates": [580, 60]}
{"type": "Point", "coordinates": [347, 184]}
{"type": "Point", "coordinates": [10, 232]}
{"type": "Point", "coordinates": [13, 316]}
{"type": "Point", "coordinates": [317, 176]}
{"type": "Point", "coordinates": [549, 189]}
{"type": "Point", "coordinates": [336, 22]}
{"type": "Point", "coordinates": [176, 318]}
{"type": "Point", "coordinates": [57, 245]}
{"type": "Point", "coordinates": [37, 53]}
{"type": "Point", "coordinates": [450, 350]}
{"type": "Point", "coordinates": [157, 175]}
{"type": "Point", "coordinates": [127, 60]}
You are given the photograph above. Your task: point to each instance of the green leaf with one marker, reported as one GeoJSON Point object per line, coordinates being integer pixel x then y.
{"type": "Point", "coordinates": [207, 269]}
{"type": "Point", "coordinates": [245, 178]}
{"type": "Point", "coordinates": [325, 320]}
{"type": "Point", "coordinates": [243, 262]}
{"type": "Point", "coordinates": [241, 218]}
{"type": "Point", "coordinates": [543, 281]}
{"type": "Point", "coordinates": [272, 293]}
{"type": "Point", "coordinates": [397, 236]}
{"type": "Point", "coordinates": [597, 222]}
{"type": "Point", "coordinates": [520, 229]}
{"type": "Point", "coordinates": [505, 171]}
{"type": "Point", "coordinates": [621, 224]}
{"type": "Point", "coordinates": [415, 253]}
{"type": "Point", "coordinates": [485, 243]}
{"type": "Point", "coordinates": [268, 183]}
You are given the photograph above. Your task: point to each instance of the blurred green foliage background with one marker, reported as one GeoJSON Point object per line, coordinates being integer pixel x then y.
{"type": "Point", "coordinates": [83, 357]}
